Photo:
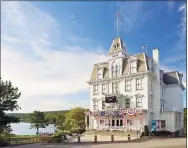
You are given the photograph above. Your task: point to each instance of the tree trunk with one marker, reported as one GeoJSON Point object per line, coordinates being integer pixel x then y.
{"type": "Point", "coordinates": [37, 131]}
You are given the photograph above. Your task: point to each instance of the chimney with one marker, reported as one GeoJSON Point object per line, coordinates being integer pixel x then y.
{"type": "Point", "coordinates": [156, 55]}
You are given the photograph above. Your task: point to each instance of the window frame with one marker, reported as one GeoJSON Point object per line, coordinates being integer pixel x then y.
{"type": "Point", "coordinates": [99, 73]}
{"type": "Point", "coordinates": [127, 86]}
{"type": "Point", "coordinates": [113, 87]}
{"type": "Point", "coordinates": [116, 70]}
{"type": "Point", "coordinates": [95, 105]}
{"type": "Point", "coordinates": [104, 89]}
{"type": "Point", "coordinates": [117, 87]}
{"type": "Point", "coordinates": [127, 99]}
{"type": "Point", "coordinates": [95, 89]}
{"type": "Point", "coordinates": [138, 102]}
{"type": "Point", "coordinates": [139, 85]}
{"type": "Point", "coordinates": [133, 67]}
{"type": "Point", "coordinates": [103, 105]}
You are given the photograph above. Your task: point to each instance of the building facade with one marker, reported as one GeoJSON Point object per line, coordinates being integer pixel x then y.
{"type": "Point", "coordinates": [130, 91]}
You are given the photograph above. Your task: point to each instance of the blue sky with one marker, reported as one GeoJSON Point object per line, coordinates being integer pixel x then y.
{"type": "Point", "coordinates": [45, 45]}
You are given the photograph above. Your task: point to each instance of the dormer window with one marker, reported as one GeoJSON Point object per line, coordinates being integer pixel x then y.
{"type": "Point", "coordinates": [115, 46]}
{"type": "Point", "coordinates": [99, 73]}
{"type": "Point", "coordinates": [133, 66]}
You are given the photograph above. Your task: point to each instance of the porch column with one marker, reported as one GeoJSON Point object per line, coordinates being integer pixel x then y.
{"type": "Point", "coordinates": [86, 126]}
{"type": "Point", "coordinates": [115, 123]}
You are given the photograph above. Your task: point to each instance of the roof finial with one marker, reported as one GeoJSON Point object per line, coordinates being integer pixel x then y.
{"type": "Point", "coordinates": [117, 17]}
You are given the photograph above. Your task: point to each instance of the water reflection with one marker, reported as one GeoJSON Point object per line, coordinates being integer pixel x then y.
{"type": "Point", "coordinates": [24, 129]}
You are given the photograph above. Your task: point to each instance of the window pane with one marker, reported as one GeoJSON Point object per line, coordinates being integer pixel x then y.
{"type": "Point", "coordinates": [121, 122]}
{"type": "Point", "coordinates": [117, 122]}
{"type": "Point", "coordinates": [112, 122]}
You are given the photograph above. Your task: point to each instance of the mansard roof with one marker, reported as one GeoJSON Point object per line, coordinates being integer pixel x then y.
{"type": "Point", "coordinates": [141, 66]}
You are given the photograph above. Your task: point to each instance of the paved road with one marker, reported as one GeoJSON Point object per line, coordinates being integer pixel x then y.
{"type": "Point", "coordinates": [163, 143]}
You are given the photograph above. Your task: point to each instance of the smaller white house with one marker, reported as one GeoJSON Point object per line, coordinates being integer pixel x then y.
{"type": "Point", "coordinates": [130, 91]}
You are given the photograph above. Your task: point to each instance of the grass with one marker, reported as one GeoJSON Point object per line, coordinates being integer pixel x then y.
{"type": "Point", "coordinates": [23, 139]}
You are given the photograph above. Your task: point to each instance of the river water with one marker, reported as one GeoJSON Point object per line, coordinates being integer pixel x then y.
{"type": "Point", "coordinates": [24, 129]}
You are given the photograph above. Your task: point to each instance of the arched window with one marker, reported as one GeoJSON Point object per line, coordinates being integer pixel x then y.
{"type": "Point", "coordinates": [117, 70]}
{"type": "Point", "coordinates": [113, 71]}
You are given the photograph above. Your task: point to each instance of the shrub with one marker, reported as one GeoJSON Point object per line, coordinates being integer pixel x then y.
{"type": "Point", "coordinates": [142, 134]}
{"type": "Point", "coordinates": [146, 131]}
{"type": "Point", "coordinates": [78, 131]}
{"type": "Point", "coordinates": [3, 143]}
{"type": "Point", "coordinates": [54, 140]}
{"type": "Point", "coordinates": [161, 133]}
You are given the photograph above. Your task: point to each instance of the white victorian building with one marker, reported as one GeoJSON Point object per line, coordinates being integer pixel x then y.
{"type": "Point", "coordinates": [130, 91]}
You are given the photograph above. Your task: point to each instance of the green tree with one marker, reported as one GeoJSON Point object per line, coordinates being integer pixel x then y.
{"type": "Point", "coordinates": [8, 102]}
{"type": "Point", "coordinates": [75, 118]}
{"type": "Point", "coordinates": [37, 120]}
{"type": "Point", "coordinates": [60, 120]}
{"type": "Point", "coordinates": [51, 118]}
{"type": "Point", "coordinates": [185, 120]}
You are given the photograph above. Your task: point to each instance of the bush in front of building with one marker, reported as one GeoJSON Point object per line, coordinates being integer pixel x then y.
{"type": "Point", "coordinates": [146, 130]}
{"type": "Point", "coordinates": [161, 133]}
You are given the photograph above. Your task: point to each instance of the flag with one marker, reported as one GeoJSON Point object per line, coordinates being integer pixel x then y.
{"type": "Point", "coordinates": [144, 46]}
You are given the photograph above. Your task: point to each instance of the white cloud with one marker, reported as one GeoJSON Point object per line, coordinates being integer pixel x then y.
{"type": "Point", "coordinates": [132, 15]}
{"type": "Point", "coordinates": [31, 62]}
{"type": "Point", "coordinates": [181, 43]}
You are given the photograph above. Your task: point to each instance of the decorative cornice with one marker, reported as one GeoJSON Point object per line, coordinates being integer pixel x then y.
{"type": "Point", "coordinates": [119, 78]}
{"type": "Point", "coordinates": [139, 95]}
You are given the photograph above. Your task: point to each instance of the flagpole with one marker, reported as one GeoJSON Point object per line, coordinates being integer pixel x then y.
{"type": "Point", "coordinates": [117, 15]}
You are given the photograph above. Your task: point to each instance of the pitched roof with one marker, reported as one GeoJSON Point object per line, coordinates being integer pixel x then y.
{"type": "Point", "coordinates": [173, 77]}
{"type": "Point", "coordinates": [170, 78]}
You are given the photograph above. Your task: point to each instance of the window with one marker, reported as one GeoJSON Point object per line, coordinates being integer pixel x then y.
{"type": "Point", "coordinates": [113, 87]}
{"type": "Point", "coordinates": [117, 71]}
{"type": "Point", "coordinates": [151, 102]}
{"type": "Point", "coordinates": [95, 89]}
{"type": "Point", "coordinates": [99, 73]}
{"type": "Point", "coordinates": [133, 67]}
{"type": "Point", "coordinates": [95, 105]}
{"type": "Point", "coordinates": [113, 71]}
{"type": "Point", "coordinates": [127, 86]}
{"type": "Point", "coordinates": [138, 102]}
{"type": "Point", "coordinates": [101, 122]}
{"type": "Point", "coordinates": [162, 106]}
{"type": "Point", "coordinates": [138, 84]}
{"type": "Point", "coordinates": [103, 104]}
{"type": "Point", "coordinates": [112, 122]}
{"type": "Point", "coordinates": [117, 86]}
{"type": "Point", "coordinates": [103, 88]}
{"type": "Point", "coordinates": [117, 122]}
{"type": "Point", "coordinates": [121, 122]}
{"type": "Point", "coordinates": [179, 117]}
{"type": "Point", "coordinates": [127, 103]}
